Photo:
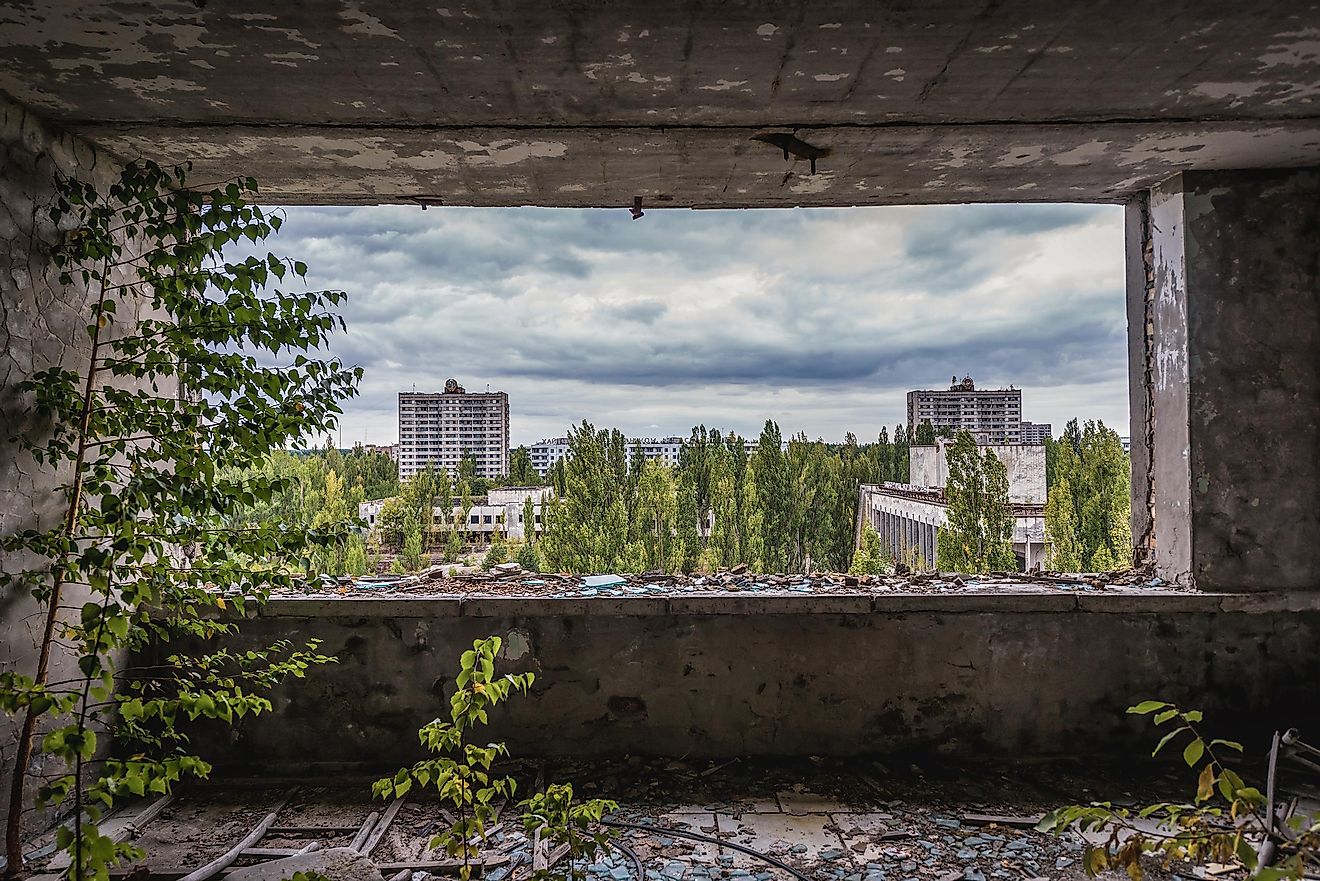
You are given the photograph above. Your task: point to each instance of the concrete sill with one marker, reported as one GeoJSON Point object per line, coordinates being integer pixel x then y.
{"type": "Point", "coordinates": [1031, 601]}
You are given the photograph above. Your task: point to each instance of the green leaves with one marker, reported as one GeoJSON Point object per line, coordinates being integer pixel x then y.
{"type": "Point", "coordinates": [162, 436]}
{"type": "Point", "coordinates": [1219, 825]}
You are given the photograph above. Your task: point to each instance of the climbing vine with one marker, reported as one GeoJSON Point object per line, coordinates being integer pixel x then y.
{"type": "Point", "coordinates": [197, 368]}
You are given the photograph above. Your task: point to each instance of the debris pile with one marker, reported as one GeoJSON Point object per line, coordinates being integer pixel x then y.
{"type": "Point", "coordinates": [510, 579]}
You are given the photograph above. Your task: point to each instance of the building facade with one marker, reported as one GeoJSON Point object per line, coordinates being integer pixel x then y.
{"type": "Point", "coordinates": [1036, 432]}
{"type": "Point", "coordinates": [437, 428]}
{"type": "Point", "coordinates": [908, 520]}
{"type": "Point", "coordinates": [928, 468]}
{"type": "Point", "coordinates": [908, 516]}
{"type": "Point", "coordinates": [995, 412]}
{"type": "Point", "coordinates": [501, 513]}
{"type": "Point", "coordinates": [666, 450]}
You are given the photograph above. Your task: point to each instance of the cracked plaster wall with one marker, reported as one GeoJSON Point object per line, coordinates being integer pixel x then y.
{"type": "Point", "coordinates": [41, 325]}
{"type": "Point", "coordinates": [1235, 379]}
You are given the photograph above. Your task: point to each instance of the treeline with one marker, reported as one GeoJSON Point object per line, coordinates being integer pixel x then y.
{"type": "Point", "coordinates": [324, 487]}
{"type": "Point", "coordinates": [1087, 515]}
{"type": "Point", "coordinates": [783, 508]}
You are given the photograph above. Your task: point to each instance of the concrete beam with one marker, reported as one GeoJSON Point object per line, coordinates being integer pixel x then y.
{"type": "Point", "coordinates": [1234, 360]}
{"type": "Point", "coordinates": [589, 105]}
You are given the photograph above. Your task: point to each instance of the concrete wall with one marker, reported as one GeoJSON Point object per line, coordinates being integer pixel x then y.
{"type": "Point", "coordinates": [41, 325]}
{"type": "Point", "coordinates": [1025, 463]}
{"type": "Point", "coordinates": [1235, 379]}
{"type": "Point", "coordinates": [822, 675]}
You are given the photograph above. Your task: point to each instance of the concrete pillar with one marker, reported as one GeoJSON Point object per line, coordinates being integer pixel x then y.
{"type": "Point", "coordinates": [1224, 324]}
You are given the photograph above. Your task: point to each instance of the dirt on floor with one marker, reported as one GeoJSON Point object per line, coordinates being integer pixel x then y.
{"type": "Point", "coordinates": [884, 820]}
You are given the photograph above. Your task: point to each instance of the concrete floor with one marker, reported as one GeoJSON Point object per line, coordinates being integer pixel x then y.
{"type": "Point", "coordinates": [834, 821]}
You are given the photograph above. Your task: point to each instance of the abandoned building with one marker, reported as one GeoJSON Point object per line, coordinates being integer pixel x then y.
{"type": "Point", "coordinates": [908, 516]}
{"type": "Point", "coordinates": [1201, 118]}
{"type": "Point", "coordinates": [993, 412]}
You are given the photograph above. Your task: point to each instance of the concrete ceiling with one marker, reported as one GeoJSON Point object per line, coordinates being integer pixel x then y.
{"type": "Point", "coordinates": [591, 104]}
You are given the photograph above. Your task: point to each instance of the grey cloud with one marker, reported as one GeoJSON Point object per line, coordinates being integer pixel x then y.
{"type": "Point", "coordinates": [825, 316]}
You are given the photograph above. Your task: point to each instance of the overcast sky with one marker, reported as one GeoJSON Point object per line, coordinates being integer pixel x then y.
{"type": "Point", "coordinates": [821, 319]}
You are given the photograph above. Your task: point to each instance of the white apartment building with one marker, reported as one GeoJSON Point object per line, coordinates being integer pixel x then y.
{"type": "Point", "coordinates": [666, 450]}
{"type": "Point", "coordinates": [503, 512]}
{"type": "Point", "coordinates": [438, 428]}
{"type": "Point", "coordinates": [996, 413]}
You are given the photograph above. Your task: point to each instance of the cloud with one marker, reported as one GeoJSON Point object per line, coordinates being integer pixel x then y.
{"type": "Point", "coordinates": [821, 319]}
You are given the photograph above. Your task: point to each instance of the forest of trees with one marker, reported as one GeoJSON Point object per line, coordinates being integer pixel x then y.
{"type": "Point", "coordinates": [783, 508]}
{"type": "Point", "coordinates": [325, 486]}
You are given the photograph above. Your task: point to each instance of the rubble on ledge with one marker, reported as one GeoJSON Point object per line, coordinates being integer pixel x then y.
{"type": "Point", "coordinates": [510, 579]}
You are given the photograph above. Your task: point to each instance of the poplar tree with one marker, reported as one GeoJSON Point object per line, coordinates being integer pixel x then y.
{"type": "Point", "coordinates": [978, 532]}
{"type": "Point", "coordinates": [656, 508]}
{"type": "Point", "coordinates": [900, 456]}
{"type": "Point", "coordinates": [1089, 504]}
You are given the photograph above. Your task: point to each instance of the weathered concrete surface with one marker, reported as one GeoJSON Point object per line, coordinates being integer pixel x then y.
{"type": "Point", "coordinates": [41, 325]}
{"type": "Point", "coordinates": [772, 676]}
{"type": "Point", "coordinates": [1025, 464]}
{"type": "Point", "coordinates": [1235, 379]}
{"type": "Point", "coordinates": [590, 104]}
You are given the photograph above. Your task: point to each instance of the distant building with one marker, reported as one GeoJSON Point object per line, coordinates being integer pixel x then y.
{"type": "Point", "coordinates": [1036, 432]}
{"type": "Point", "coordinates": [391, 450]}
{"type": "Point", "coordinates": [1127, 444]}
{"type": "Point", "coordinates": [502, 512]}
{"type": "Point", "coordinates": [544, 454]}
{"type": "Point", "coordinates": [666, 450]}
{"type": "Point", "coordinates": [995, 412]}
{"type": "Point", "coordinates": [438, 428]}
{"type": "Point", "coordinates": [908, 516]}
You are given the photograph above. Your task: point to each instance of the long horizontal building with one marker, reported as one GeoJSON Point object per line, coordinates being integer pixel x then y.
{"type": "Point", "coordinates": [544, 454]}
{"type": "Point", "coordinates": [908, 516]}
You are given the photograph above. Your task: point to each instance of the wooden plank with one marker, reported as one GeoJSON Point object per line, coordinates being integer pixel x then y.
{"type": "Point", "coordinates": [379, 831]}
{"type": "Point", "coordinates": [227, 858]}
{"type": "Point", "coordinates": [367, 825]}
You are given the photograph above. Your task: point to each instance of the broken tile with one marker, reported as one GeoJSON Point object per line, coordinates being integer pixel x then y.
{"type": "Point", "coordinates": [802, 802]}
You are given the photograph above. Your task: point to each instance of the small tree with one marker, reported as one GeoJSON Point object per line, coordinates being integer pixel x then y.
{"type": "Point", "coordinates": [870, 558]}
{"type": "Point", "coordinates": [454, 543]}
{"type": "Point", "coordinates": [462, 771]}
{"type": "Point", "coordinates": [164, 435]}
{"type": "Point", "coordinates": [411, 558]}
{"type": "Point", "coordinates": [498, 552]}
{"type": "Point", "coordinates": [528, 557]}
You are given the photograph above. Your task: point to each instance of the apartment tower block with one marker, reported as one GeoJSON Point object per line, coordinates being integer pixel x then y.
{"type": "Point", "coordinates": [438, 428]}
{"type": "Point", "coordinates": [996, 414]}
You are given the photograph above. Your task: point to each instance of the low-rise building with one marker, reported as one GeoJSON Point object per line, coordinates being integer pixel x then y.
{"type": "Point", "coordinates": [503, 511]}
{"type": "Point", "coordinates": [908, 516]}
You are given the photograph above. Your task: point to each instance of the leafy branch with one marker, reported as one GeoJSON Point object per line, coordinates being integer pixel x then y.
{"type": "Point", "coordinates": [159, 438]}
{"type": "Point", "coordinates": [1227, 821]}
